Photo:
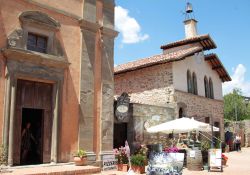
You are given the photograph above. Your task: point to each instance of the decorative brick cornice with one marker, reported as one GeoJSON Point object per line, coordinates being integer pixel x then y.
{"type": "Point", "coordinates": [39, 18]}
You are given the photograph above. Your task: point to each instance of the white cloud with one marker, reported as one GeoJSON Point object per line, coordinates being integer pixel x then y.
{"type": "Point", "coordinates": [128, 26]}
{"type": "Point", "coordinates": [238, 81]}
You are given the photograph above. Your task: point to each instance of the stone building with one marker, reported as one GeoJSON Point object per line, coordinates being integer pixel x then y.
{"type": "Point", "coordinates": [56, 73]}
{"type": "Point", "coordinates": [183, 77]}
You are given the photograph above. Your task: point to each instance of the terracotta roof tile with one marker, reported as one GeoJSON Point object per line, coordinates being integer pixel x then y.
{"type": "Point", "coordinates": [205, 40]}
{"type": "Point", "coordinates": [156, 59]}
{"type": "Point", "coordinates": [216, 65]}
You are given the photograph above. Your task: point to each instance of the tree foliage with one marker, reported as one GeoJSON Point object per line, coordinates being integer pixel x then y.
{"type": "Point", "coordinates": [235, 106]}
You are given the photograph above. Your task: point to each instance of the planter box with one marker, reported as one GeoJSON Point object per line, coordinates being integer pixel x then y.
{"type": "Point", "coordinates": [122, 167]}
{"type": "Point", "coordinates": [138, 169]}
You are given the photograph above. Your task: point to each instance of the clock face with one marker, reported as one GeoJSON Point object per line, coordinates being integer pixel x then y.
{"type": "Point", "coordinates": [122, 108]}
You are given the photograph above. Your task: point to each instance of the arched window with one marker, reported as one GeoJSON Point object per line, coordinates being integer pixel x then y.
{"type": "Point", "coordinates": [211, 88]}
{"type": "Point", "coordinates": [189, 82]}
{"type": "Point", "coordinates": [206, 87]}
{"type": "Point", "coordinates": [195, 90]}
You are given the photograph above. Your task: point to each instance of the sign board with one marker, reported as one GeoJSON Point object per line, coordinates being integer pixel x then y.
{"type": "Point", "coordinates": [215, 157]}
{"type": "Point", "coordinates": [192, 153]}
{"type": "Point", "coordinates": [122, 107]}
{"type": "Point", "coordinates": [109, 162]}
{"type": "Point", "coordinates": [165, 163]}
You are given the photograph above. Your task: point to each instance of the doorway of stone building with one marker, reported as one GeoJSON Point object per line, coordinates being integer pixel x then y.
{"type": "Point", "coordinates": [34, 104]}
{"type": "Point", "coordinates": [32, 136]}
{"type": "Point", "coordinates": [120, 134]}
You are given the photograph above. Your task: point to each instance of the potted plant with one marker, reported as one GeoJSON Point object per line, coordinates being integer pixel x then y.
{"type": "Point", "coordinates": [224, 159]}
{"type": "Point", "coordinates": [80, 157]}
{"type": "Point", "coordinates": [122, 159]}
{"type": "Point", "coordinates": [138, 163]}
{"type": "Point", "coordinates": [205, 146]}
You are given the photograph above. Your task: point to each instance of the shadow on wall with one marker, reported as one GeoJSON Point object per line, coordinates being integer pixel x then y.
{"type": "Point", "coordinates": [69, 121]}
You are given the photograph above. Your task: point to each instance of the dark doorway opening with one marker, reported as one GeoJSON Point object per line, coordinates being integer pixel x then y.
{"type": "Point", "coordinates": [120, 134]}
{"type": "Point", "coordinates": [180, 113]}
{"type": "Point", "coordinates": [32, 136]}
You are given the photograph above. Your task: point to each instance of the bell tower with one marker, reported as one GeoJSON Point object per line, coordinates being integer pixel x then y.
{"type": "Point", "coordinates": [190, 23]}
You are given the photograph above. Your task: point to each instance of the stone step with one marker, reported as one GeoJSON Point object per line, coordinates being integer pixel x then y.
{"type": "Point", "coordinates": [51, 170]}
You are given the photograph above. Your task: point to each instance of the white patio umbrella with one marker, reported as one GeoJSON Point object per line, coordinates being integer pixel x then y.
{"type": "Point", "coordinates": [181, 125]}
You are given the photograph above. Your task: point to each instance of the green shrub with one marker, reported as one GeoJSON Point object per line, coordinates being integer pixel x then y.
{"type": "Point", "coordinates": [138, 160]}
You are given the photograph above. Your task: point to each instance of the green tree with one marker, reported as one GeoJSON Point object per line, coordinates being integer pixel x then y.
{"type": "Point", "coordinates": [235, 106]}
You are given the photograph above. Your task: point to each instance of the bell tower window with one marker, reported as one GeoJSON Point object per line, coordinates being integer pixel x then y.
{"type": "Point", "coordinates": [37, 43]}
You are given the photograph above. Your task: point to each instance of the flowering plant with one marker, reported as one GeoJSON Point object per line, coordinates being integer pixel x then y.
{"type": "Point", "coordinates": [171, 150]}
{"type": "Point", "coordinates": [121, 155]}
{"type": "Point", "coordinates": [142, 150]}
{"type": "Point", "coordinates": [224, 157]}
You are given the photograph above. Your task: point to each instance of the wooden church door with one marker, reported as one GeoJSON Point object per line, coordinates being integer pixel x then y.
{"type": "Point", "coordinates": [33, 105]}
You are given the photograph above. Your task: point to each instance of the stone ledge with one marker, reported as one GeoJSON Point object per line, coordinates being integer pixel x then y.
{"type": "Point", "coordinates": [198, 96]}
{"type": "Point", "coordinates": [62, 169]}
{"type": "Point", "coordinates": [35, 57]}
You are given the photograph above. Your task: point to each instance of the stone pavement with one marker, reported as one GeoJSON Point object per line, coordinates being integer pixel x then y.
{"type": "Point", "coordinates": [238, 164]}
{"type": "Point", "coordinates": [48, 169]}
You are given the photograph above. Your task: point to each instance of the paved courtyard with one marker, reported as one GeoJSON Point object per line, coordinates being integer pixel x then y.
{"type": "Point", "coordinates": [238, 164]}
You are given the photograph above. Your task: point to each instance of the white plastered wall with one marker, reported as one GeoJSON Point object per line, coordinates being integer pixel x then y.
{"type": "Point", "coordinates": [201, 68]}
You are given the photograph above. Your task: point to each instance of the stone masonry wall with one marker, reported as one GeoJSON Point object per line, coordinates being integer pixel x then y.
{"type": "Point", "coordinates": [151, 85]}
{"type": "Point", "coordinates": [247, 132]}
{"type": "Point", "coordinates": [200, 107]}
{"type": "Point", "coordinates": [143, 117]}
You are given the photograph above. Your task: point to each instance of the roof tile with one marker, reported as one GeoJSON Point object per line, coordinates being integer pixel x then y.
{"type": "Point", "coordinates": [156, 59]}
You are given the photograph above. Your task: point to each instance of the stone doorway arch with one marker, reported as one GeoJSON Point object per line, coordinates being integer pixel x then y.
{"type": "Point", "coordinates": [181, 110]}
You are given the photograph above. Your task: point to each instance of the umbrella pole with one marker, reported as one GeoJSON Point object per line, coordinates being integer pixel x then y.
{"type": "Point", "coordinates": [173, 139]}
{"type": "Point", "coordinates": [158, 137]}
{"type": "Point", "coordinates": [188, 138]}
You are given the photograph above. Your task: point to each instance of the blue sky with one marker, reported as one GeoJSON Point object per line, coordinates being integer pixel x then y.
{"type": "Point", "coordinates": [145, 25]}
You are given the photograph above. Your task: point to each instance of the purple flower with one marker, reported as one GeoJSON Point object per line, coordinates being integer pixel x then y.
{"type": "Point", "coordinates": [171, 150]}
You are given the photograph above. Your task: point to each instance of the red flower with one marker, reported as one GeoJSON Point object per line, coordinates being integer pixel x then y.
{"type": "Point", "coordinates": [223, 156]}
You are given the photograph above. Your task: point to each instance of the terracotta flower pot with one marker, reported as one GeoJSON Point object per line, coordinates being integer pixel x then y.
{"type": "Point", "coordinates": [138, 169]}
{"type": "Point", "coordinates": [80, 161]}
{"type": "Point", "coordinates": [122, 167]}
{"type": "Point", "coordinates": [224, 161]}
